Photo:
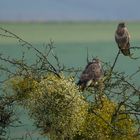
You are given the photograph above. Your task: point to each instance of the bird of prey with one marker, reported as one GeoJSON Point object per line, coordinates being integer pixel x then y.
{"type": "Point", "coordinates": [122, 38]}
{"type": "Point", "coordinates": [91, 75]}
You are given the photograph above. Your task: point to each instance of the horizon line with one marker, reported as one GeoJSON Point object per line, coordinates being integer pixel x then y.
{"type": "Point", "coordinates": [69, 21]}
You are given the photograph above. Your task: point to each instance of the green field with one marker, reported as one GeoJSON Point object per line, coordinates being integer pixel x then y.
{"type": "Point", "coordinates": [71, 41]}
{"type": "Point", "coordinates": [70, 32]}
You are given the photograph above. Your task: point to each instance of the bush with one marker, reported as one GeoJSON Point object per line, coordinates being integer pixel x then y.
{"type": "Point", "coordinates": [60, 110]}
{"type": "Point", "coordinates": [7, 116]}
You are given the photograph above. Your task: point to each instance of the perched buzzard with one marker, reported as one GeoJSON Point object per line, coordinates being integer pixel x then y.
{"type": "Point", "coordinates": [122, 38]}
{"type": "Point", "coordinates": [91, 75]}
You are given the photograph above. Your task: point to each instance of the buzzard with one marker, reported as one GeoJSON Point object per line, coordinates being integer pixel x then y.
{"type": "Point", "coordinates": [122, 38]}
{"type": "Point", "coordinates": [91, 75]}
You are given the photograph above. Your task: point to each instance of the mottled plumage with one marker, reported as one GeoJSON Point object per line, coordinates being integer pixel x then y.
{"type": "Point", "coordinates": [122, 38]}
{"type": "Point", "coordinates": [91, 75]}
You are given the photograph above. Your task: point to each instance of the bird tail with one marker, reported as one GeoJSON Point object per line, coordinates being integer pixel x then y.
{"type": "Point", "coordinates": [78, 83]}
{"type": "Point", "coordinates": [81, 85]}
{"type": "Point", "coordinates": [126, 52]}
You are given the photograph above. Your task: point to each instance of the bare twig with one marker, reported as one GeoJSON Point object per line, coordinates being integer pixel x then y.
{"type": "Point", "coordinates": [29, 45]}
{"type": "Point", "coordinates": [114, 62]}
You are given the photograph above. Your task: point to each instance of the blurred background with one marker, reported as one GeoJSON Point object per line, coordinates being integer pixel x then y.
{"type": "Point", "coordinates": [74, 26]}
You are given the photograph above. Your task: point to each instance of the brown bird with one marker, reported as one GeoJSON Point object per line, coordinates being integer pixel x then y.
{"type": "Point", "coordinates": [122, 38]}
{"type": "Point", "coordinates": [91, 75]}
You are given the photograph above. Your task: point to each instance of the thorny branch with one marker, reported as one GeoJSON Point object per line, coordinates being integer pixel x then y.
{"type": "Point", "coordinates": [117, 86]}
{"type": "Point", "coordinates": [29, 45]}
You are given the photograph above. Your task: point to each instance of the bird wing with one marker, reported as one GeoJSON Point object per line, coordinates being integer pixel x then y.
{"type": "Point", "coordinates": [88, 73]}
{"type": "Point", "coordinates": [92, 71]}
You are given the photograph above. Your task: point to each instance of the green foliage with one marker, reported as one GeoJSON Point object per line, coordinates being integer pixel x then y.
{"type": "Point", "coordinates": [99, 123]}
{"type": "Point", "coordinates": [55, 104]}
{"type": "Point", "coordinates": [61, 112]}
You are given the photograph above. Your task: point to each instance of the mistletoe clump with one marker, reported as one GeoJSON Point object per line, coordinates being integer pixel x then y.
{"type": "Point", "coordinates": [102, 122]}
{"type": "Point", "coordinates": [55, 103]}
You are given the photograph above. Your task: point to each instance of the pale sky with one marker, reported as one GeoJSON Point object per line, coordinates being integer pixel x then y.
{"type": "Point", "coordinates": [57, 10]}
